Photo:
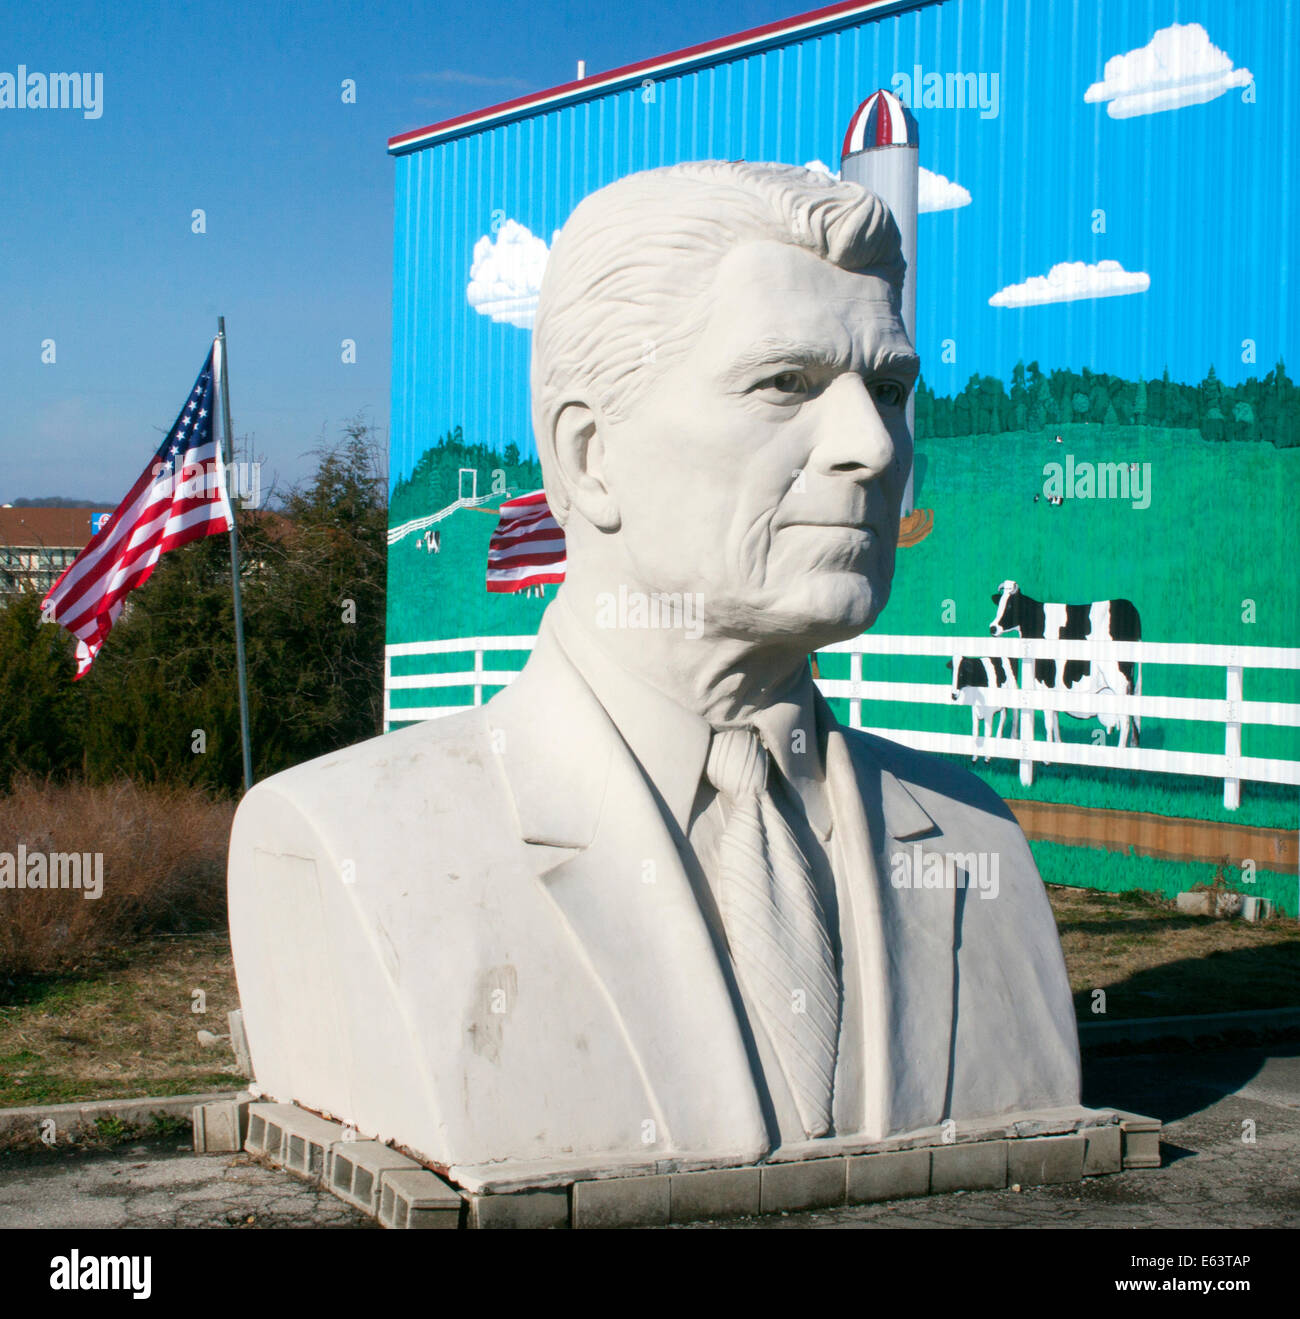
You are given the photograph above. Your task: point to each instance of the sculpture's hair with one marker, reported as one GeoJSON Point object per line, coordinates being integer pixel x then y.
{"type": "Point", "coordinates": [626, 283]}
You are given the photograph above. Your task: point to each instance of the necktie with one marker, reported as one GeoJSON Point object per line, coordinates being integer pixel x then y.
{"type": "Point", "coordinates": [776, 924]}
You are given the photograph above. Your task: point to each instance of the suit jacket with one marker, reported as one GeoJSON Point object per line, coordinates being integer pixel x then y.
{"type": "Point", "coordinates": [475, 937]}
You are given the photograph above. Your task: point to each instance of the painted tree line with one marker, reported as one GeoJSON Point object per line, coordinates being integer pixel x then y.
{"type": "Point", "coordinates": [1267, 409]}
{"type": "Point", "coordinates": [434, 482]}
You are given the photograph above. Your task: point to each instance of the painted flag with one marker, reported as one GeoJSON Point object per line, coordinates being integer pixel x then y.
{"type": "Point", "coordinates": [527, 547]}
{"type": "Point", "coordinates": [180, 497]}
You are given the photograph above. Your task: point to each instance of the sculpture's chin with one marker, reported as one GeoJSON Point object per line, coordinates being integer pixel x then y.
{"type": "Point", "coordinates": [823, 609]}
{"type": "Point", "coordinates": [845, 614]}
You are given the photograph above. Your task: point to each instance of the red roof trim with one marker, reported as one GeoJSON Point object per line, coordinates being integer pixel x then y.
{"type": "Point", "coordinates": [751, 36]}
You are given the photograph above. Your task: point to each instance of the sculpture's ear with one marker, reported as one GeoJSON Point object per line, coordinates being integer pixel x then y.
{"type": "Point", "coordinates": [580, 465]}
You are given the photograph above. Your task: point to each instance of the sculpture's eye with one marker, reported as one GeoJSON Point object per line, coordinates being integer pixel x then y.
{"type": "Point", "coordinates": [890, 393]}
{"type": "Point", "coordinates": [786, 382]}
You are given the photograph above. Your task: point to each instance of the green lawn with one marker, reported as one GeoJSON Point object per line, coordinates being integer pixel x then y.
{"type": "Point", "coordinates": [123, 1025]}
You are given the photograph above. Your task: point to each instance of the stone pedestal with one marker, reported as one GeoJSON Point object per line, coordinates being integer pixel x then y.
{"type": "Point", "coordinates": [1039, 1148]}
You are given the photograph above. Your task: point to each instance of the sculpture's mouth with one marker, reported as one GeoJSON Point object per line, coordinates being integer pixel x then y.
{"type": "Point", "coordinates": [847, 529]}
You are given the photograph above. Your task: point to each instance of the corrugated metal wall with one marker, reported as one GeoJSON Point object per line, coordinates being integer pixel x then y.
{"type": "Point", "coordinates": [1174, 198]}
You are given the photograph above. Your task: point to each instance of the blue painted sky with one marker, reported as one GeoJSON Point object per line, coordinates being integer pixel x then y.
{"type": "Point", "coordinates": [237, 110]}
{"type": "Point", "coordinates": [1195, 205]}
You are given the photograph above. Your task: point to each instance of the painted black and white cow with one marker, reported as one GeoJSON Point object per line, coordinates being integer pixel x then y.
{"type": "Point", "coordinates": [978, 683]}
{"type": "Point", "coordinates": [1103, 620]}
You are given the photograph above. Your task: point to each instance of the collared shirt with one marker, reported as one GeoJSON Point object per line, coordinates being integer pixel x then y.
{"type": "Point", "coordinates": [671, 744]}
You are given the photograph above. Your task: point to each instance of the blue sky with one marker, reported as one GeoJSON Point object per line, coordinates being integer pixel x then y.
{"type": "Point", "coordinates": [236, 109]}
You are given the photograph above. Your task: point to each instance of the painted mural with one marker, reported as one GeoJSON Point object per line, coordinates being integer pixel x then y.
{"type": "Point", "coordinates": [1107, 435]}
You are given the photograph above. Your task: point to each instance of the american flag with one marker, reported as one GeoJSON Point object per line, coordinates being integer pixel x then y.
{"type": "Point", "coordinates": [180, 497]}
{"type": "Point", "coordinates": [527, 547]}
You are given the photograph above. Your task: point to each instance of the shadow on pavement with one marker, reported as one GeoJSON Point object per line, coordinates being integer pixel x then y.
{"type": "Point", "coordinates": [1174, 1083]}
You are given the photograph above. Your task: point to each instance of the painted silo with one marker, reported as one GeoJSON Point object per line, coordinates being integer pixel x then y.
{"type": "Point", "coordinates": [881, 151]}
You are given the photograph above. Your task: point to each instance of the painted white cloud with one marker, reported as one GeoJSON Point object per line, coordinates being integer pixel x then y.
{"type": "Point", "coordinates": [1068, 281]}
{"type": "Point", "coordinates": [935, 193]}
{"type": "Point", "coordinates": [940, 194]}
{"type": "Point", "coordinates": [506, 274]}
{"type": "Point", "coordinates": [821, 167]}
{"type": "Point", "coordinates": [1179, 66]}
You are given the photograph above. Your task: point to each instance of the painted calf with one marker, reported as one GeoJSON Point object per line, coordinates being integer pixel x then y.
{"type": "Point", "coordinates": [977, 682]}
{"type": "Point", "coordinates": [1104, 620]}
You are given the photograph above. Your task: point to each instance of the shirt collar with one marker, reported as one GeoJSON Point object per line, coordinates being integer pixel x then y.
{"type": "Point", "coordinates": [671, 743]}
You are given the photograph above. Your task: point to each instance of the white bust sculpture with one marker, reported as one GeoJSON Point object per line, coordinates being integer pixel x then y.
{"type": "Point", "coordinates": [652, 905]}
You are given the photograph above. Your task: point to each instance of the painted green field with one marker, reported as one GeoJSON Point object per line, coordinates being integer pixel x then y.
{"type": "Point", "coordinates": [445, 595]}
{"type": "Point", "coordinates": [1209, 553]}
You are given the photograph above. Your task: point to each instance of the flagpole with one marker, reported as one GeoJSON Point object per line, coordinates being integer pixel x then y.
{"type": "Point", "coordinates": [225, 457]}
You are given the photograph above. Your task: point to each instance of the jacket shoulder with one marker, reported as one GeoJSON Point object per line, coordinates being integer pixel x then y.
{"type": "Point", "coordinates": [381, 778]}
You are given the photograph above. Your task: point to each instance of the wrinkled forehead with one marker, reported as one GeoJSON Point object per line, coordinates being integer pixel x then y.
{"type": "Point", "coordinates": [770, 292]}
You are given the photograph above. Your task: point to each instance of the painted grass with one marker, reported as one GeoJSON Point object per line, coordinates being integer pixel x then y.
{"type": "Point", "coordinates": [1120, 872]}
{"type": "Point", "coordinates": [1181, 796]}
{"type": "Point", "coordinates": [445, 594]}
{"type": "Point", "coordinates": [1210, 546]}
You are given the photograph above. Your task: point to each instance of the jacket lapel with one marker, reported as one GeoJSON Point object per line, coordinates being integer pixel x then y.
{"type": "Point", "coordinates": [609, 862]}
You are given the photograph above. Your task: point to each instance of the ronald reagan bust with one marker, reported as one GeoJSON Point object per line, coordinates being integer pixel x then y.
{"type": "Point", "coordinates": [652, 903]}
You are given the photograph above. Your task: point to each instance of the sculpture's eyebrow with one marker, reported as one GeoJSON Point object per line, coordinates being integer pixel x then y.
{"type": "Point", "coordinates": [779, 352]}
{"type": "Point", "coordinates": [902, 361]}
{"type": "Point", "coordinates": [775, 352]}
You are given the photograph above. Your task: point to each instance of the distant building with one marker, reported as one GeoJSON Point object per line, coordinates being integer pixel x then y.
{"type": "Point", "coordinates": [37, 544]}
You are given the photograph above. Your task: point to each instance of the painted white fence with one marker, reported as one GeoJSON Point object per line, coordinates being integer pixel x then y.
{"type": "Point", "coordinates": [1231, 713]}
{"type": "Point", "coordinates": [478, 677]}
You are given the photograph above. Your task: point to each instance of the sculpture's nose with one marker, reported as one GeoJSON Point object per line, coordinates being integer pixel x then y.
{"type": "Point", "coordinates": [853, 438]}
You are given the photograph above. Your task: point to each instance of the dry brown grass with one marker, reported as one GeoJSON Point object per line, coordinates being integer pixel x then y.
{"type": "Point", "coordinates": [1154, 961]}
{"type": "Point", "coordinates": [164, 859]}
{"type": "Point", "coordinates": [125, 1028]}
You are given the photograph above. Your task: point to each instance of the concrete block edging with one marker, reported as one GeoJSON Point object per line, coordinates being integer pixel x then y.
{"type": "Point", "coordinates": [402, 1193]}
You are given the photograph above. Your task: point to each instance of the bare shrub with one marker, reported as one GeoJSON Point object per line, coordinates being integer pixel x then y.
{"type": "Point", "coordinates": [164, 868]}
